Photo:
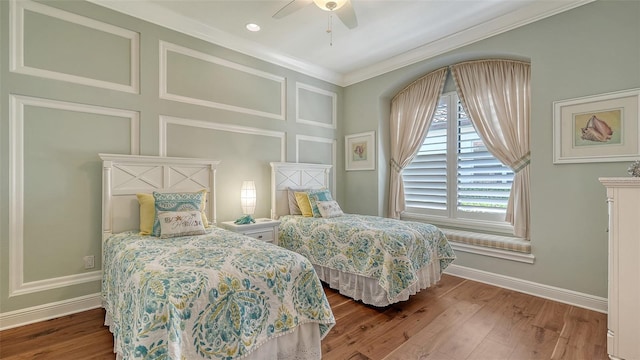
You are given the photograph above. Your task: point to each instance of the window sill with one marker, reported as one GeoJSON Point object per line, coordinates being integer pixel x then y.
{"type": "Point", "coordinates": [475, 226]}
{"type": "Point", "coordinates": [503, 247]}
{"type": "Point", "coordinates": [485, 239]}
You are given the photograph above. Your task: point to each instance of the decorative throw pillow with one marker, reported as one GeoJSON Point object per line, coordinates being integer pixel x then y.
{"type": "Point", "coordinates": [148, 211]}
{"type": "Point", "coordinates": [329, 209]}
{"type": "Point", "coordinates": [175, 202]}
{"type": "Point", "coordinates": [180, 223]}
{"type": "Point", "coordinates": [315, 196]}
{"type": "Point", "coordinates": [203, 208]}
{"type": "Point", "coordinates": [294, 209]}
{"type": "Point", "coordinates": [303, 203]}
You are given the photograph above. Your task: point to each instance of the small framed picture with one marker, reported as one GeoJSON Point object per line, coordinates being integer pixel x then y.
{"type": "Point", "coordinates": [360, 151]}
{"type": "Point", "coordinates": [599, 128]}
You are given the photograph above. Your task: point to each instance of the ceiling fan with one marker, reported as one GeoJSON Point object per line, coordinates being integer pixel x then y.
{"type": "Point", "coordinates": [342, 8]}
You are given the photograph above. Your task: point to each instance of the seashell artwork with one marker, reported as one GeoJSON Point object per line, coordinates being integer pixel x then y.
{"type": "Point", "coordinates": [596, 130]}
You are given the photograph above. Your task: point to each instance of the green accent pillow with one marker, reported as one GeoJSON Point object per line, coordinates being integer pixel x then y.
{"type": "Point", "coordinates": [148, 211]}
{"type": "Point", "coordinates": [175, 202]}
{"type": "Point", "coordinates": [315, 196]}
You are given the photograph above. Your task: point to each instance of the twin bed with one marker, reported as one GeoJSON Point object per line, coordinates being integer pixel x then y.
{"type": "Point", "coordinates": [376, 260]}
{"type": "Point", "coordinates": [222, 295]}
{"type": "Point", "coordinates": [219, 295]}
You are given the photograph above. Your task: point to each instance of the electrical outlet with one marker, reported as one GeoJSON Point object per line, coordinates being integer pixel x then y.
{"type": "Point", "coordinates": [89, 262]}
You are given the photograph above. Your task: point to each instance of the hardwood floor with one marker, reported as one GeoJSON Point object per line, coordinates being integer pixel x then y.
{"type": "Point", "coordinates": [457, 319]}
{"type": "Point", "coordinates": [462, 319]}
{"type": "Point", "coordinates": [80, 336]}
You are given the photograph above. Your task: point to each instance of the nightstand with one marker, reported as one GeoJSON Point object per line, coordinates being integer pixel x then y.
{"type": "Point", "coordinates": [263, 229]}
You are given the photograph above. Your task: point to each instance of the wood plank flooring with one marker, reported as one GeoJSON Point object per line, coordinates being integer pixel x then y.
{"type": "Point", "coordinates": [457, 319]}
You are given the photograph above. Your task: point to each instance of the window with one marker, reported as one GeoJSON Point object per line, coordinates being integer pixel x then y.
{"type": "Point", "coordinates": [453, 179]}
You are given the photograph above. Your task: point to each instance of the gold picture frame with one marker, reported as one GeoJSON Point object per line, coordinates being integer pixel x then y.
{"type": "Point", "coordinates": [360, 151]}
{"type": "Point", "coordinates": [598, 128]}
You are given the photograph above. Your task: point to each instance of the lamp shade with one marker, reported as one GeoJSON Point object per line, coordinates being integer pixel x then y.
{"type": "Point", "coordinates": [248, 197]}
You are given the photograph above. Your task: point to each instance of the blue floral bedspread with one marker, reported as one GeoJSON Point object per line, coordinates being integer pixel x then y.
{"type": "Point", "coordinates": [389, 250]}
{"type": "Point", "coordinates": [215, 296]}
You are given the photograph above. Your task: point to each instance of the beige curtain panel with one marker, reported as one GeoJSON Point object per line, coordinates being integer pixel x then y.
{"type": "Point", "coordinates": [411, 112]}
{"type": "Point", "coordinates": [496, 95]}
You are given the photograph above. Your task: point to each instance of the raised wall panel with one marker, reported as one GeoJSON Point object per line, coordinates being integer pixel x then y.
{"type": "Point", "coordinates": [244, 152]}
{"type": "Point", "coordinates": [55, 44]}
{"type": "Point", "coordinates": [317, 150]}
{"type": "Point", "coordinates": [193, 77]}
{"type": "Point", "coordinates": [315, 106]}
{"type": "Point", "coordinates": [61, 140]}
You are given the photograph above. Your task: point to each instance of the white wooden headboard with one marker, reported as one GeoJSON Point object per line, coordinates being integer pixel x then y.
{"type": "Point", "coordinates": [285, 175]}
{"type": "Point", "coordinates": [124, 176]}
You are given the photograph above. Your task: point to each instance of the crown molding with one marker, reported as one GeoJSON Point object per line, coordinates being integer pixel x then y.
{"type": "Point", "coordinates": [147, 10]}
{"type": "Point", "coordinates": [534, 12]}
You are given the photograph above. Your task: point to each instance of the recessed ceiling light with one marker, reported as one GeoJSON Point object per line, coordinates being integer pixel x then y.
{"type": "Point", "coordinates": [253, 27]}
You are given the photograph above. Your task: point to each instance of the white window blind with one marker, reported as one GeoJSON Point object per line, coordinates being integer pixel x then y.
{"type": "Point", "coordinates": [453, 175]}
{"type": "Point", "coordinates": [425, 178]}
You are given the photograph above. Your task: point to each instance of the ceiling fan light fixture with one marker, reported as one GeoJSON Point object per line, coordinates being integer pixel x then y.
{"type": "Point", "coordinates": [330, 5]}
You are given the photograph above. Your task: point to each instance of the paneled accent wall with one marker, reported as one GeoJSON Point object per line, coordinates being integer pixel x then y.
{"type": "Point", "coordinates": [242, 150]}
{"type": "Point", "coordinates": [316, 106]}
{"type": "Point", "coordinates": [54, 188]}
{"type": "Point", "coordinates": [197, 78]}
{"type": "Point", "coordinates": [319, 150]}
{"type": "Point", "coordinates": [74, 87]}
{"type": "Point", "coordinates": [56, 44]}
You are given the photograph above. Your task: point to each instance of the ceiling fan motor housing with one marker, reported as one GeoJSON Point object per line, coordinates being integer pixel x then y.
{"type": "Point", "coordinates": [329, 5]}
{"type": "Point", "coordinates": [342, 9]}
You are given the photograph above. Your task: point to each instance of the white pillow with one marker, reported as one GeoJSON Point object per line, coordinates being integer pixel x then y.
{"type": "Point", "coordinates": [329, 209]}
{"type": "Point", "coordinates": [180, 223]}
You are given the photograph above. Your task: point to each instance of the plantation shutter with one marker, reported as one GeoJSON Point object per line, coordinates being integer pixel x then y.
{"type": "Point", "coordinates": [425, 178]}
{"type": "Point", "coordinates": [482, 183]}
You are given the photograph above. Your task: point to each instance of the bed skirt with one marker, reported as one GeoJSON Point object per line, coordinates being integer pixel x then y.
{"type": "Point", "coordinates": [301, 344]}
{"type": "Point", "coordinates": [368, 290]}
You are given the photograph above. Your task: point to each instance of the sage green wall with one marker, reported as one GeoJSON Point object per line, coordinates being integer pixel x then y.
{"type": "Point", "coordinates": [589, 50]}
{"type": "Point", "coordinates": [67, 124]}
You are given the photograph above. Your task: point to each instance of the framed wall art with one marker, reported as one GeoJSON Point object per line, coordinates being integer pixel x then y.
{"type": "Point", "coordinates": [598, 128]}
{"type": "Point", "coordinates": [360, 151]}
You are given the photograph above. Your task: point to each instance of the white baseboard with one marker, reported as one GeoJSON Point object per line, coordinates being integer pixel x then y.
{"type": "Point", "coordinates": [44, 312]}
{"type": "Point", "coordinates": [570, 297]}
{"type": "Point", "coordinates": [61, 308]}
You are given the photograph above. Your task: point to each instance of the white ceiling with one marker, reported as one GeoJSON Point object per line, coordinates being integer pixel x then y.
{"type": "Point", "coordinates": [390, 33]}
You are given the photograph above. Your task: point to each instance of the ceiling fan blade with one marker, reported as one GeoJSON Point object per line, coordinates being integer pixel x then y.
{"type": "Point", "coordinates": [347, 15]}
{"type": "Point", "coordinates": [291, 7]}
